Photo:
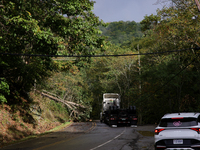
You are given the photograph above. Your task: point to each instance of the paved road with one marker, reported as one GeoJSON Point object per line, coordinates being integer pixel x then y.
{"type": "Point", "coordinates": [84, 136]}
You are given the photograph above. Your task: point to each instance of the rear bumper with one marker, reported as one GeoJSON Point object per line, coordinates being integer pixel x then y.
{"type": "Point", "coordinates": [123, 122]}
{"type": "Point", "coordinates": [127, 121]}
{"type": "Point", "coordinates": [188, 144]}
{"type": "Point", "coordinates": [112, 122]}
{"type": "Point", "coordinates": [133, 122]}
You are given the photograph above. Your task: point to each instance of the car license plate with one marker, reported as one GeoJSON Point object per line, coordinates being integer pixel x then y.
{"type": "Point", "coordinates": [178, 141]}
{"type": "Point", "coordinates": [123, 118]}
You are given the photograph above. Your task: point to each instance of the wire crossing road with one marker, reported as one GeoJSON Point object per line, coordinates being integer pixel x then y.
{"type": "Point", "coordinates": [84, 136]}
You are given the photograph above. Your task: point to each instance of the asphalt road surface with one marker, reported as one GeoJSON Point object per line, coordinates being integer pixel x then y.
{"type": "Point", "coordinates": [86, 136]}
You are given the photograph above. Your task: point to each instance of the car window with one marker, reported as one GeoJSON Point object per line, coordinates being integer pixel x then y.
{"type": "Point", "coordinates": [185, 122]}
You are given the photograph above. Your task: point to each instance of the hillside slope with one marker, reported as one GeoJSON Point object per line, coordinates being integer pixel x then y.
{"type": "Point", "coordinates": [43, 115]}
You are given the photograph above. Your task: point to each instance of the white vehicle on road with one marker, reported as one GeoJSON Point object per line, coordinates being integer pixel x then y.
{"type": "Point", "coordinates": [178, 131]}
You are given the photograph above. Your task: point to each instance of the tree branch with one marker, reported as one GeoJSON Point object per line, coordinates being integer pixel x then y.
{"type": "Point", "coordinates": [198, 5]}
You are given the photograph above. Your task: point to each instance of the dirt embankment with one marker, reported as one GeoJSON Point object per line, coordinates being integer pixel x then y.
{"type": "Point", "coordinates": [17, 124]}
{"type": "Point", "coordinates": [13, 127]}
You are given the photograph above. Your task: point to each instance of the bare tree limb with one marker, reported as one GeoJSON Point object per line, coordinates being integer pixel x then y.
{"type": "Point", "coordinates": [75, 104]}
{"type": "Point", "coordinates": [56, 99]}
{"type": "Point", "coordinates": [198, 5]}
{"type": "Point", "coordinates": [71, 105]}
{"type": "Point", "coordinates": [51, 94]}
{"type": "Point", "coordinates": [62, 100]}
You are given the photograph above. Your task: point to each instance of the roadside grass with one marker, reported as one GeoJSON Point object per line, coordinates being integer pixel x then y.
{"type": "Point", "coordinates": [64, 125]}
{"type": "Point", "coordinates": [146, 133]}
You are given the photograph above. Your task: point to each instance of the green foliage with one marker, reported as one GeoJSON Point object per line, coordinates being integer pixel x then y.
{"type": "Point", "coordinates": [70, 87]}
{"type": "Point", "coordinates": [149, 22]}
{"type": "Point", "coordinates": [4, 90]}
{"type": "Point", "coordinates": [169, 81]}
{"type": "Point", "coordinates": [45, 28]}
{"type": "Point", "coordinates": [60, 112]}
{"type": "Point", "coordinates": [110, 74]}
{"type": "Point", "coordinates": [121, 32]}
{"type": "Point", "coordinates": [156, 84]}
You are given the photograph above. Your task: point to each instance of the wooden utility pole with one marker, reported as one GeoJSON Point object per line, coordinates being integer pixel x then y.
{"type": "Point", "coordinates": [198, 5]}
{"type": "Point", "coordinates": [140, 86]}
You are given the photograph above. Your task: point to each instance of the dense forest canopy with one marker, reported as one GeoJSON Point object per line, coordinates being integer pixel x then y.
{"type": "Point", "coordinates": [159, 82]}
{"type": "Point", "coordinates": [42, 28]}
{"type": "Point", "coordinates": [121, 32]}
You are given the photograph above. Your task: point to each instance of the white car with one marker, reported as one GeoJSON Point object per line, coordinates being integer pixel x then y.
{"type": "Point", "coordinates": [178, 131]}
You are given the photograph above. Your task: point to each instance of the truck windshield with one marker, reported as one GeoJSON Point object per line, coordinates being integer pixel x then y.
{"type": "Point", "coordinates": [111, 96]}
{"type": "Point", "coordinates": [109, 101]}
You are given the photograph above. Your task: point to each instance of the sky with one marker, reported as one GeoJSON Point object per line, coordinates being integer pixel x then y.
{"type": "Point", "coordinates": [125, 10]}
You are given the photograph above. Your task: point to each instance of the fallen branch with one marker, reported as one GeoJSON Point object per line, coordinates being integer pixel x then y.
{"type": "Point", "coordinates": [56, 99]}
{"type": "Point", "coordinates": [71, 105]}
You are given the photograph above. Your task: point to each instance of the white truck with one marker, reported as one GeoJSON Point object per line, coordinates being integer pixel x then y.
{"type": "Point", "coordinates": [113, 115]}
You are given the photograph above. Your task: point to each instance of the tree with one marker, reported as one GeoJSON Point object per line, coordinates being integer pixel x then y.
{"type": "Point", "coordinates": [121, 32]}
{"type": "Point", "coordinates": [4, 90]}
{"type": "Point", "coordinates": [70, 90]}
{"type": "Point", "coordinates": [170, 78]}
{"type": "Point", "coordinates": [45, 28]}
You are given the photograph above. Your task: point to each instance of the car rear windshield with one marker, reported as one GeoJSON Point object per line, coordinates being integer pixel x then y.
{"type": "Point", "coordinates": [183, 122]}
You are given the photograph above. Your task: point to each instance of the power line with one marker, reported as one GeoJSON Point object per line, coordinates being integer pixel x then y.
{"type": "Point", "coordinates": [78, 56]}
{"type": "Point", "coordinates": [171, 78]}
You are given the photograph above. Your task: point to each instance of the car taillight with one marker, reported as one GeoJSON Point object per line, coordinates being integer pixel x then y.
{"type": "Point", "coordinates": [157, 131]}
{"type": "Point", "coordinates": [112, 118]}
{"type": "Point", "coordinates": [196, 129]}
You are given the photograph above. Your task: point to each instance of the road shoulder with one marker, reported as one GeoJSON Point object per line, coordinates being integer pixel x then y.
{"type": "Point", "coordinates": [145, 139]}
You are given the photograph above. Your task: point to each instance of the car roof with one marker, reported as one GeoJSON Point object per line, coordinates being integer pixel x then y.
{"type": "Point", "coordinates": [181, 114]}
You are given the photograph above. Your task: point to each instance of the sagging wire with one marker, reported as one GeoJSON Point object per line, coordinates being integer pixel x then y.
{"type": "Point", "coordinates": [78, 56]}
